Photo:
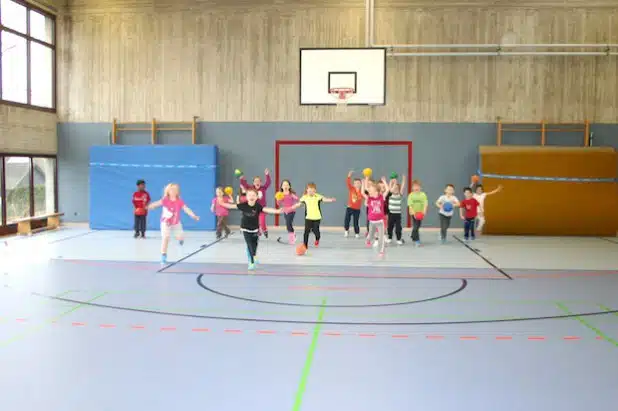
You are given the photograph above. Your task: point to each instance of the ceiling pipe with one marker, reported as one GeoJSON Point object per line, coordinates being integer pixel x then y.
{"type": "Point", "coordinates": [493, 46]}
{"type": "Point", "coordinates": [502, 53]}
{"type": "Point", "coordinates": [368, 39]}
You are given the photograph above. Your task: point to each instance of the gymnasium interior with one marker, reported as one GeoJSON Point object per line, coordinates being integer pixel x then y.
{"type": "Point", "coordinates": [518, 96]}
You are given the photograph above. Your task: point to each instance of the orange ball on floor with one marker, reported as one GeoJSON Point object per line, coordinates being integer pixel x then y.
{"type": "Point", "coordinates": [301, 249]}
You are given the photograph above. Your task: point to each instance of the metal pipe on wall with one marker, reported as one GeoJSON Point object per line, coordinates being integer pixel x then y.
{"type": "Point", "coordinates": [372, 10]}
{"type": "Point", "coordinates": [503, 53]}
{"type": "Point", "coordinates": [368, 40]}
{"type": "Point", "coordinates": [493, 46]}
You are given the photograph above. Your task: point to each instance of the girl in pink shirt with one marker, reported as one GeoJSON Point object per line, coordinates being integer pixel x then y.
{"type": "Point", "coordinates": [221, 212]}
{"type": "Point", "coordinates": [375, 201]}
{"type": "Point", "coordinates": [289, 199]}
{"type": "Point", "coordinates": [172, 205]}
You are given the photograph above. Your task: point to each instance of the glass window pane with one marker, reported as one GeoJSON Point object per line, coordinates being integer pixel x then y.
{"type": "Point", "coordinates": [14, 68]}
{"type": "Point", "coordinates": [41, 27]}
{"type": "Point", "coordinates": [17, 171]}
{"type": "Point", "coordinates": [41, 75]}
{"type": "Point", "coordinates": [44, 186]}
{"type": "Point", "coordinates": [13, 16]}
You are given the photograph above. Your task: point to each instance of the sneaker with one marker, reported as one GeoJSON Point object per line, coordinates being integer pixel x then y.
{"type": "Point", "coordinates": [368, 243]}
{"type": "Point", "coordinates": [375, 243]}
{"type": "Point", "coordinates": [443, 240]}
{"type": "Point", "coordinates": [381, 254]}
{"type": "Point", "coordinates": [400, 242]}
{"type": "Point", "coordinates": [388, 241]}
{"type": "Point", "coordinates": [163, 258]}
{"type": "Point", "coordinates": [135, 235]}
{"type": "Point", "coordinates": [143, 235]}
{"type": "Point", "coordinates": [356, 235]}
{"type": "Point", "coordinates": [265, 234]}
{"type": "Point", "coordinates": [417, 244]}
{"type": "Point", "coordinates": [255, 261]}
{"type": "Point", "coordinates": [181, 242]}
{"type": "Point", "coordinates": [317, 243]}
{"type": "Point", "coordinates": [346, 234]}
{"type": "Point", "coordinates": [251, 267]}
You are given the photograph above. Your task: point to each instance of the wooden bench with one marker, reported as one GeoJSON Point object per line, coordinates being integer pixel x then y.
{"type": "Point", "coordinates": [24, 225]}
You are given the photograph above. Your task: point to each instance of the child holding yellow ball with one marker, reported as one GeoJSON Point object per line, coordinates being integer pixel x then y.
{"type": "Point", "coordinates": [286, 197]}
{"type": "Point", "coordinates": [222, 212]}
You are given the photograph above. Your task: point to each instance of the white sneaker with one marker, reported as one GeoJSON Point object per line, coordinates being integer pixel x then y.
{"type": "Point", "coordinates": [388, 241]}
{"type": "Point", "coordinates": [356, 235]}
{"type": "Point", "coordinates": [345, 234]}
{"type": "Point", "coordinates": [399, 242]}
{"type": "Point", "coordinates": [375, 243]}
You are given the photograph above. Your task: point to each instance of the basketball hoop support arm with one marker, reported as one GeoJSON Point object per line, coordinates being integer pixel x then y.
{"type": "Point", "coordinates": [496, 49]}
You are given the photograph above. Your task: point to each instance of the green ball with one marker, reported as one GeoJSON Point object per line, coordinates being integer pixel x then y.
{"type": "Point", "coordinates": [238, 173]}
{"type": "Point", "coordinates": [394, 175]}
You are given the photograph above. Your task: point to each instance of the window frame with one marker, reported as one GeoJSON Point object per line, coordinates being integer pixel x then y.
{"type": "Point", "coordinates": [5, 227]}
{"type": "Point", "coordinates": [29, 40]}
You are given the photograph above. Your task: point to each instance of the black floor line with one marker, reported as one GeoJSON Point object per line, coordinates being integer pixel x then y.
{"type": "Point", "coordinates": [608, 240]}
{"type": "Point", "coordinates": [202, 248]}
{"type": "Point", "coordinates": [73, 236]}
{"type": "Point", "coordinates": [316, 275]}
{"type": "Point", "coordinates": [265, 320]}
{"type": "Point", "coordinates": [482, 257]}
{"type": "Point", "coordinates": [462, 287]}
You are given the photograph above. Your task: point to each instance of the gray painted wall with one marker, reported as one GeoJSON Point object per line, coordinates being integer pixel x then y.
{"type": "Point", "coordinates": [442, 153]}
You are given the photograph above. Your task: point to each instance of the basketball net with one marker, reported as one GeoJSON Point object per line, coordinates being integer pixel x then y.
{"type": "Point", "coordinates": [342, 96]}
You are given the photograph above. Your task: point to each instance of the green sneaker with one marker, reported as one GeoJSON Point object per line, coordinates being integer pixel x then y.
{"type": "Point", "coordinates": [251, 267]}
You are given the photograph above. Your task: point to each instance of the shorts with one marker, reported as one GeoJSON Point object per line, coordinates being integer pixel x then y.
{"type": "Point", "coordinates": [167, 230]}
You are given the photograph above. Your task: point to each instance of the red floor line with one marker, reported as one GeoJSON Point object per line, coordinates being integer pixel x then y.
{"type": "Point", "coordinates": [434, 337]}
{"type": "Point", "coordinates": [504, 337]}
{"type": "Point", "coordinates": [138, 327]}
{"type": "Point", "coordinates": [366, 335]}
{"type": "Point", "coordinates": [570, 337]}
{"type": "Point", "coordinates": [168, 328]}
{"type": "Point", "coordinates": [200, 330]}
{"type": "Point", "coordinates": [536, 338]}
{"type": "Point", "coordinates": [21, 320]}
{"type": "Point", "coordinates": [332, 334]}
{"type": "Point", "coordinates": [233, 331]}
{"type": "Point", "coordinates": [399, 336]}
{"type": "Point", "coordinates": [107, 326]}
{"type": "Point", "coordinates": [266, 332]}
{"type": "Point", "coordinates": [299, 333]}
{"type": "Point", "coordinates": [468, 338]}
{"type": "Point", "coordinates": [78, 324]}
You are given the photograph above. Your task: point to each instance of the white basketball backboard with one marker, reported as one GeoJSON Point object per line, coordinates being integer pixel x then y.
{"type": "Point", "coordinates": [362, 69]}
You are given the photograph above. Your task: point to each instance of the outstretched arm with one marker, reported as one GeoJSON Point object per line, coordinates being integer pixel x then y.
{"type": "Point", "coordinates": [295, 206]}
{"type": "Point", "coordinates": [190, 213]}
{"type": "Point", "coordinates": [243, 183]}
{"type": "Point", "coordinates": [348, 180]}
{"type": "Point", "coordinates": [154, 205]}
{"type": "Point", "coordinates": [268, 179]}
{"type": "Point", "coordinates": [402, 186]}
{"type": "Point", "coordinates": [497, 190]}
{"type": "Point", "coordinates": [269, 210]}
{"type": "Point", "coordinates": [329, 199]}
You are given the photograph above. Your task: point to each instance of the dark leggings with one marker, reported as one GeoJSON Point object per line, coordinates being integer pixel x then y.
{"type": "Point", "coordinates": [311, 225]}
{"type": "Point", "coordinates": [469, 228]}
{"type": "Point", "coordinates": [140, 224]}
{"type": "Point", "coordinates": [445, 223]}
{"type": "Point", "coordinates": [289, 221]}
{"type": "Point", "coordinates": [367, 215]}
{"type": "Point", "coordinates": [252, 245]}
{"type": "Point", "coordinates": [351, 213]}
{"type": "Point", "coordinates": [394, 223]}
{"type": "Point", "coordinates": [416, 225]}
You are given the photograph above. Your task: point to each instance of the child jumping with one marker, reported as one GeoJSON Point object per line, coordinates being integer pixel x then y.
{"type": "Point", "coordinates": [393, 200]}
{"type": "Point", "coordinates": [446, 204]}
{"type": "Point", "coordinates": [170, 217]}
{"type": "Point", "coordinates": [313, 214]}
{"type": "Point", "coordinates": [221, 212]}
{"type": "Point", "coordinates": [468, 212]}
{"type": "Point", "coordinates": [261, 191]}
{"type": "Point", "coordinates": [480, 195]}
{"type": "Point", "coordinates": [289, 199]}
{"type": "Point", "coordinates": [375, 206]}
{"type": "Point", "coordinates": [417, 203]}
{"type": "Point", "coordinates": [355, 200]}
{"type": "Point", "coordinates": [250, 222]}
{"type": "Point", "coordinates": [141, 199]}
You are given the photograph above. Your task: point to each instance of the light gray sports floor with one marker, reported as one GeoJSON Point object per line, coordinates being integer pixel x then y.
{"type": "Point", "coordinates": [91, 321]}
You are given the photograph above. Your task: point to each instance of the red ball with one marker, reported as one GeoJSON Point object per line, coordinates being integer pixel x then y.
{"type": "Point", "coordinates": [419, 216]}
{"type": "Point", "coordinates": [301, 249]}
{"type": "Point", "coordinates": [475, 179]}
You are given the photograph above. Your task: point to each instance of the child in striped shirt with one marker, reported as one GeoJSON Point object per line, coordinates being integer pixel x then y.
{"type": "Point", "coordinates": [393, 200]}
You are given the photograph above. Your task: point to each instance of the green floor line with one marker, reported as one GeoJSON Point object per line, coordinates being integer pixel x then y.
{"type": "Point", "coordinates": [46, 323]}
{"type": "Point", "coordinates": [302, 386]}
{"type": "Point", "coordinates": [606, 308]}
{"type": "Point", "coordinates": [587, 324]}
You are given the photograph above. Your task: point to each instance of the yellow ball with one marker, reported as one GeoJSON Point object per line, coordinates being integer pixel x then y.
{"type": "Point", "coordinates": [228, 190]}
{"type": "Point", "coordinates": [367, 172]}
{"type": "Point", "coordinates": [279, 196]}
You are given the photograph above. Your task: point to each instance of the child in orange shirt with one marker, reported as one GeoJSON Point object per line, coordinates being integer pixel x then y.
{"type": "Point", "coordinates": [355, 201]}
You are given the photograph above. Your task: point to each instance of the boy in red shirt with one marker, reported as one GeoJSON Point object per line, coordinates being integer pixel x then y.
{"type": "Point", "coordinates": [141, 199]}
{"type": "Point", "coordinates": [468, 210]}
{"type": "Point", "coordinates": [355, 201]}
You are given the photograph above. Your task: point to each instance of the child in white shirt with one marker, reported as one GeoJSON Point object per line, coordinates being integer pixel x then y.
{"type": "Point", "coordinates": [479, 195]}
{"type": "Point", "coordinates": [446, 205]}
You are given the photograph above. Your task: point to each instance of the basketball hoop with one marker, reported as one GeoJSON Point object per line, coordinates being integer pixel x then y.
{"type": "Point", "coordinates": [342, 95]}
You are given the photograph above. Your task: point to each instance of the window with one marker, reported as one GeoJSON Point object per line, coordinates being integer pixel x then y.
{"type": "Point", "coordinates": [14, 68]}
{"type": "Point", "coordinates": [27, 55]}
{"type": "Point", "coordinates": [28, 187]}
{"type": "Point", "coordinates": [17, 187]}
{"type": "Point", "coordinates": [44, 179]}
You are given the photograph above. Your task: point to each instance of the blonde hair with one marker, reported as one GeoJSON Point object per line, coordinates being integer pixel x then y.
{"type": "Point", "coordinates": [166, 190]}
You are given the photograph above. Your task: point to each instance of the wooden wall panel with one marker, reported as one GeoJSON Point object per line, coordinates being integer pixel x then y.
{"type": "Point", "coordinates": [173, 60]}
{"type": "Point", "coordinates": [26, 131]}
